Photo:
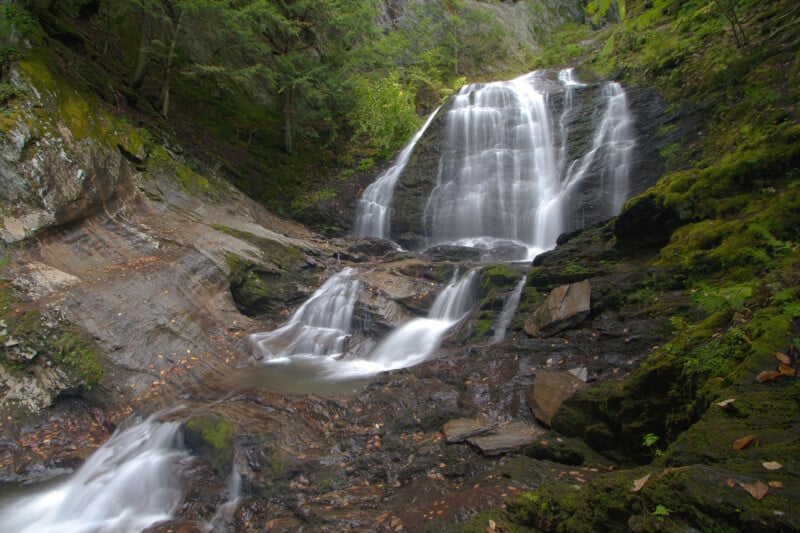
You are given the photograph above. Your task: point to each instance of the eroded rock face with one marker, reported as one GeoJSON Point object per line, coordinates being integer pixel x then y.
{"type": "Point", "coordinates": [564, 307]}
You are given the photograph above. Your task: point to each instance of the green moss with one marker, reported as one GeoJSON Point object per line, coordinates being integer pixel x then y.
{"type": "Point", "coordinates": [497, 277]}
{"type": "Point", "coordinates": [81, 354]}
{"type": "Point", "coordinates": [480, 329]}
{"type": "Point", "coordinates": [212, 436]}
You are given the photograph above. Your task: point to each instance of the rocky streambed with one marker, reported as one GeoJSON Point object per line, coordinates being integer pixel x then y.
{"type": "Point", "coordinates": [132, 281]}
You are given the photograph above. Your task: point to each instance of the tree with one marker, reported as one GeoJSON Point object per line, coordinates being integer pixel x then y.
{"type": "Point", "coordinates": [299, 47]}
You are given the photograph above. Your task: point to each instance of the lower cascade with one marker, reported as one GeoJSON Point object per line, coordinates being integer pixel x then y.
{"type": "Point", "coordinates": [316, 340]}
{"type": "Point", "coordinates": [131, 482]}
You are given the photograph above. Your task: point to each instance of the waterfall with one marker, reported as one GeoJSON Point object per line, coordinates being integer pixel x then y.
{"type": "Point", "coordinates": [319, 327]}
{"type": "Point", "coordinates": [373, 209]}
{"type": "Point", "coordinates": [416, 340]}
{"type": "Point", "coordinates": [131, 482]}
{"type": "Point", "coordinates": [507, 177]}
{"type": "Point", "coordinates": [510, 305]}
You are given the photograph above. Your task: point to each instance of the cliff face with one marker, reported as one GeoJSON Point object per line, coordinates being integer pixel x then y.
{"type": "Point", "coordinates": [120, 258]}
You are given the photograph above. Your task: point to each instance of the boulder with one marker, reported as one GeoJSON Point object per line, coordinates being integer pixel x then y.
{"type": "Point", "coordinates": [564, 307]}
{"type": "Point", "coordinates": [548, 392]}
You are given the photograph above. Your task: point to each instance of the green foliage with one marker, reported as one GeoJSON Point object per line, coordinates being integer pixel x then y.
{"type": "Point", "coordinates": [384, 116]}
{"type": "Point", "coordinates": [660, 510]}
{"type": "Point", "coordinates": [15, 24]}
{"type": "Point", "coordinates": [649, 440]}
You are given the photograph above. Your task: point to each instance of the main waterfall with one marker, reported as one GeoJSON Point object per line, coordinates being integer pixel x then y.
{"type": "Point", "coordinates": [514, 174]}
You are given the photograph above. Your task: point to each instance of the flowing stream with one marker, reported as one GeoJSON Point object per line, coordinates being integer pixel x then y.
{"type": "Point", "coordinates": [316, 352]}
{"type": "Point", "coordinates": [506, 178]}
{"type": "Point", "coordinates": [131, 482]}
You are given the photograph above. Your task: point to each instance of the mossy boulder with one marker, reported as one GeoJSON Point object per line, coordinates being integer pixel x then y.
{"type": "Point", "coordinates": [212, 437]}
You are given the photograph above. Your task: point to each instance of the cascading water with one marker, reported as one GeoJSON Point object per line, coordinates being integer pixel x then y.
{"type": "Point", "coordinates": [133, 481]}
{"type": "Point", "coordinates": [507, 314]}
{"type": "Point", "coordinates": [416, 340]}
{"type": "Point", "coordinates": [320, 327]}
{"type": "Point", "coordinates": [507, 178]}
{"type": "Point", "coordinates": [316, 351]}
{"type": "Point", "coordinates": [374, 207]}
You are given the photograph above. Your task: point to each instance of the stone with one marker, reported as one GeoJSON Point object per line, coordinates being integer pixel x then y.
{"type": "Point", "coordinates": [581, 372]}
{"type": "Point", "coordinates": [460, 429]}
{"type": "Point", "coordinates": [565, 307]}
{"type": "Point", "coordinates": [548, 392]}
{"type": "Point", "coordinates": [511, 438]}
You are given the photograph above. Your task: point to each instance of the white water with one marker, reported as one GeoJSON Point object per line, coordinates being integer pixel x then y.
{"type": "Point", "coordinates": [316, 351]}
{"type": "Point", "coordinates": [506, 178]}
{"type": "Point", "coordinates": [319, 328]}
{"type": "Point", "coordinates": [373, 210]}
{"type": "Point", "coordinates": [133, 481]}
{"type": "Point", "coordinates": [416, 340]}
{"type": "Point", "coordinates": [507, 314]}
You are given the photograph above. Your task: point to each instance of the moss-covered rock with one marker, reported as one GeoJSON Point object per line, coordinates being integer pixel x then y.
{"type": "Point", "coordinates": [212, 437]}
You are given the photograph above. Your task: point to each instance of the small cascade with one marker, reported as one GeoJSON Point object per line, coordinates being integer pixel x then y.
{"type": "Point", "coordinates": [133, 481]}
{"type": "Point", "coordinates": [320, 327]}
{"type": "Point", "coordinates": [373, 210]}
{"type": "Point", "coordinates": [416, 340]}
{"type": "Point", "coordinates": [610, 152]}
{"type": "Point", "coordinates": [507, 314]}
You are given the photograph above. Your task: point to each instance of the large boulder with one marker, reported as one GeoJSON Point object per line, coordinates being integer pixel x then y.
{"type": "Point", "coordinates": [564, 307]}
{"type": "Point", "coordinates": [548, 392]}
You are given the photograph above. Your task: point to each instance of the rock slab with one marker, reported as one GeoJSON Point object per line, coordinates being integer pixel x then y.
{"type": "Point", "coordinates": [507, 439]}
{"type": "Point", "coordinates": [548, 392]}
{"type": "Point", "coordinates": [564, 307]}
{"type": "Point", "coordinates": [460, 429]}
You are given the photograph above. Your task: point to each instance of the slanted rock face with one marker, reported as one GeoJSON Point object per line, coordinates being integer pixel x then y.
{"type": "Point", "coordinates": [564, 307]}
{"type": "Point", "coordinates": [548, 392]}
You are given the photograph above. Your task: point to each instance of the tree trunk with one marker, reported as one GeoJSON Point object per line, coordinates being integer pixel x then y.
{"type": "Point", "coordinates": [288, 119]}
{"type": "Point", "coordinates": [139, 69]}
{"type": "Point", "coordinates": [168, 67]}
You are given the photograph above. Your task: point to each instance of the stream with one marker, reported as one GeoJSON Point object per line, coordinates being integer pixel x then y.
{"type": "Point", "coordinates": [508, 179]}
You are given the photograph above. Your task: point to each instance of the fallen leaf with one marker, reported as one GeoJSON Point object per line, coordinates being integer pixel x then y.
{"type": "Point", "coordinates": [639, 483]}
{"type": "Point", "coordinates": [783, 358]}
{"type": "Point", "coordinates": [786, 370]}
{"type": "Point", "coordinates": [772, 465]}
{"type": "Point", "coordinates": [757, 490]}
{"type": "Point", "coordinates": [743, 442]}
{"type": "Point", "coordinates": [775, 484]}
{"type": "Point", "coordinates": [767, 375]}
{"type": "Point", "coordinates": [726, 403]}
{"type": "Point", "coordinates": [730, 483]}
{"type": "Point", "coordinates": [491, 527]}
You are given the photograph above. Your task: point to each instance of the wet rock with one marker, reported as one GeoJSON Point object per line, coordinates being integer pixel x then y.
{"type": "Point", "coordinates": [548, 392]}
{"type": "Point", "coordinates": [448, 252]}
{"type": "Point", "coordinates": [566, 451]}
{"type": "Point", "coordinates": [460, 429]}
{"type": "Point", "coordinates": [366, 249]}
{"type": "Point", "coordinates": [506, 439]}
{"type": "Point", "coordinates": [564, 307]}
